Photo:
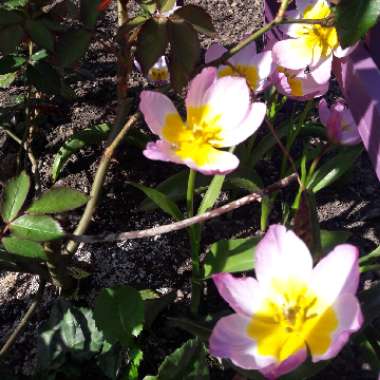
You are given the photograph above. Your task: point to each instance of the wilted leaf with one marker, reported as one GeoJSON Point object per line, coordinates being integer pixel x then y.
{"type": "Point", "coordinates": [14, 196]}
{"type": "Point", "coordinates": [25, 248]}
{"type": "Point", "coordinates": [119, 313]}
{"type": "Point", "coordinates": [198, 18]}
{"type": "Point", "coordinates": [36, 227]}
{"type": "Point", "coordinates": [56, 200]}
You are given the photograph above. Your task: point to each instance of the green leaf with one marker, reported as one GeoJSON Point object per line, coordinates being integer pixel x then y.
{"type": "Point", "coordinates": [9, 17]}
{"type": "Point", "coordinates": [25, 248]}
{"type": "Point", "coordinates": [14, 196]}
{"type": "Point", "coordinates": [333, 169]}
{"type": "Point", "coordinates": [232, 256]}
{"type": "Point", "coordinates": [188, 362]}
{"type": "Point", "coordinates": [56, 200]}
{"type": "Point", "coordinates": [40, 34]}
{"type": "Point", "coordinates": [149, 6]}
{"type": "Point", "coordinates": [330, 239]}
{"type": "Point", "coordinates": [89, 12]}
{"type": "Point", "coordinates": [119, 313]}
{"type": "Point", "coordinates": [39, 55]}
{"type": "Point", "coordinates": [10, 38]}
{"type": "Point", "coordinates": [37, 228]}
{"type": "Point", "coordinates": [7, 79]}
{"type": "Point", "coordinates": [15, 4]}
{"type": "Point", "coordinates": [11, 63]}
{"type": "Point", "coordinates": [152, 43]}
{"type": "Point", "coordinates": [79, 140]}
{"type": "Point", "coordinates": [154, 305]}
{"type": "Point", "coordinates": [370, 303]}
{"type": "Point", "coordinates": [44, 77]}
{"type": "Point", "coordinates": [161, 200]}
{"type": "Point", "coordinates": [72, 46]}
{"type": "Point", "coordinates": [136, 357]}
{"type": "Point", "coordinates": [212, 194]}
{"type": "Point", "coordinates": [196, 328]}
{"type": "Point", "coordinates": [243, 184]}
{"type": "Point", "coordinates": [198, 18]}
{"type": "Point", "coordinates": [185, 52]}
{"type": "Point", "coordinates": [166, 5]}
{"type": "Point", "coordinates": [354, 18]}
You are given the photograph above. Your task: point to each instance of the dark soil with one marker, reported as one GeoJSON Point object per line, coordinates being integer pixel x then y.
{"type": "Point", "coordinates": [161, 263]}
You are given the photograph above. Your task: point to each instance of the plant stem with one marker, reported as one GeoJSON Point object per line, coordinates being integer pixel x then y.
{"type": "Point", "coordinates": [25, 319]}
{"type": "Point", "coordinates": [190, 193]}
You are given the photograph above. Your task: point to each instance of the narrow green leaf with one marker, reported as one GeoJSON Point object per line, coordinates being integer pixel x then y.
{"type": "Point", "coordinates": [212, 194]}
{"type": "Point", "coordinates": [370, 303]}
{"type": "Point", "coordinates": [14, 196]}
{"type": "Point", "coordinates": [37, 228]}
{"type": "Point", "coordinates": [11, 63]}
{"type": "Point", "coordinates": [166, 5]}
{"type": "Point", "coordinates": [10, 38]}
{"type": "Point", "coordinates": [332, 170]}
{"type": "Point", "coordinates": [198, 18]}
{"type": "Point", "coordinates": [56, 200]}
{"type": "Point", "coordinates": [77, 141]}
{"type": "Point", "coordinates": [330, 239]}
{"type": "Point", "coordinates": [161, 200]}
{"type": "Point", "coordinates": [119, 313]}
{"type": "Point", "coordinates": [232, 256]}
{"type": "Point", "coordinates": [354, 18]}
{"type": "Point", "coordinates": [40, 34]}
{"type": "Point", "coordinates": [135, 359]}
{"type": "Point", "coordinates": [25, 248]}
{"type": "Point", "coordinates": [152, 42]}
{"type": "Point", "coordinates": [154, 306]}
{"type": "Point", "coordinates": [196, 328]}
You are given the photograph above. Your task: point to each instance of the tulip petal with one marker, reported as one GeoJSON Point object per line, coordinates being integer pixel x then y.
{"type": "Point", "coordinates": [242, 294]}
{"type": "Point", "coordinates": [324, 111]}
{"type": "Point", "coordinates": [301, 5]}
{"type": "Point", "coordinates": [339, 52]}
{"type": "Point", "coordinates": [160, 151]}
{"type": "Point", "coordinates": [215, 51]}
{"type": "Point", "coordinates": [199, 86]}
{"type": "Point", "coordinates": [322, 72]}
{"type": "Point", "coordinates": [156, 107]}
{"type": "Point", "coordinates": [281, 254]}
{"type": "Point", "coordinates": [265, 67]}
{"type": "Point", "coordinates": [229, 339]}
{"type": "Point", "coordinates": [328, 282]}
{"type": "Point", "coordinates": [350, 319]}
{"type": "Point", "coordinates": [292, 54]}
{"type": "Point", "coordinates": [292, 30]}
{"type": "Point", "coordinates": [247, 128]}
{"type": "Point", "coordinates": [244, 56]}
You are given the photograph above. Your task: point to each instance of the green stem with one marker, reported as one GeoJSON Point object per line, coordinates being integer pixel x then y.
{"type": "Point", "coordinates": [194, 235]}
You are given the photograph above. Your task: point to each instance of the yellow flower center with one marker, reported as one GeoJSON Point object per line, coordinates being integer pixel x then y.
{"type": "Point", "coordinates": [248, 72]}
{"type": "Point", "coordinates": [196, 138]}
{"type": "Point", "coordinates": [321, 40]}
{"type": "Point", "coordinates": [156, 74]}
{"type": "Point", "coordinates": [295, 84]}
{"type": "Point", "coordinates": [291, 318]}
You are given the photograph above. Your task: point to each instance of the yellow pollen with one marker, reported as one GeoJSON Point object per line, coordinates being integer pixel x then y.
{"type": "Point", "coordinates": [248, 72]}
{"type": "Point", "coordinates": [290, 319]}
{"type": "Point", "coordinates": [195, 139]}
{"type": "Point", "coordinates": [295, 86]}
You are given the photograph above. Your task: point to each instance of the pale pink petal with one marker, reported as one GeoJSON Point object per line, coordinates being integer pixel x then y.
{"type": "Point", "coordinates": [155, 107]}
{"type": "Point", "coordinates": [341, 53]}
{"type": "Point", "coordinates": [248, 126]}
{"type": "Point", "coordinates": [336, 273]}
{"type": "Point", "coordinates": [217, 162]}
{"type": "Point", "coordinates": [215, 51]}
{"type": "Point", "coordinates": [242, 294]}
{"type": "Point", "coordinates": [281, 254]}
{"type": "Point", "coordinates": [292, 54]}
{"type": "Point", "coordinates": [324, 111]}
{"type": "Point", "coordinates": [291, 30]}
{"type": "Point", "coordinates": [303, 4]}
{"type": "Point", "coordinates": [350, 319]}
{"type": "Point", "coordinates": [274, 371]}
{"type": "Point", "coordinates": [265, 67]}
{"type": "Point", "coordinates": [229, 339]}
{"type": "Point", "coordinates": [350, 133]}
{"type": "Point", "coordinates": [244, 56]}
{"type": "Point", "coordinates": [199, 86]}
{"type": "Point", "coordinates": [161, 151]}
{"type": "Point", "coordinates": [228, 100]}
{"type": "Point", "coordinates": [322, 72]}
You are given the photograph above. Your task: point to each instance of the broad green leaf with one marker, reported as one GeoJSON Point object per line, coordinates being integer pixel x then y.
{"type": "Point", "coordinates": [152, 43]}
{"type": "Point", "coordinates": [15, 4]}
{"type": "Point", "coordinates": [9, 17]}
{"type": "Point", "coordinates": [212, 194]}
{"type": "Point", "coordinates": [40, 34]}
{"type": "Point", "coordinates": [89, 12]}
{"type": "Point", "coordinates": [39, 55]}
{"type": "Point", "coordinates": [10, 38]}
{"type": "Point", "coordinates": [354, 18]}
{"type": "Point", "coordinates": [119, 313]}
{"type": "Point", "coordinates": [25, 248]}
{"type": "Point", "coordinates": [7, 79]}
{"type": "Point", "coordinates": [14, 196]}
{"type": "Point", "coordinates": [161, 200]}
{"type": "Point", "coordinates": [56, 200]}
{"type": "Point", "coordinates": [44, 77]}
{"type": "Point", "coordinates": [333, 169]}
{"type": "Point", "coordinates": [185, 52]}
{"type": "Point", "coordinates": [166, 5]}
{"type": "Point", "coordinates": [330, 239]}
{"type": "Point", "coordinates": [76, 142]}
{"type": "Point", "coordinates": [188, 362]}
{"type": "Point", "coordinates": [11, 63]}
{"type": "Point", "coordinates": [232, 256]}
{"type": "Point", "coordinates": [37, 228]}
{"type": "Point", "coordinates": [72, 46]}
{"type": "Point", "coordinates": [149, 6]}
{"type": "Point", "coordinates": [198, 18]}
{"type": "Point", "coordinates": [154, 305]}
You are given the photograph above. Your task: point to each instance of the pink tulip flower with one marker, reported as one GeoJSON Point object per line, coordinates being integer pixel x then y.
{"type": "Point", "coordinates": [340, 124]}
{"type": "Point", "coordinates": [159, 74]}
{"type": "Point", "coordinates": [311, 45]}
{"type": "Point", "coordinates": [254, 67]}
{"type": "Point", "coordinates": [298, 85]}
{"type": "Point", "coordinates": [290, 309]}
{"type": "Point", "coordinates": [219, 115]}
